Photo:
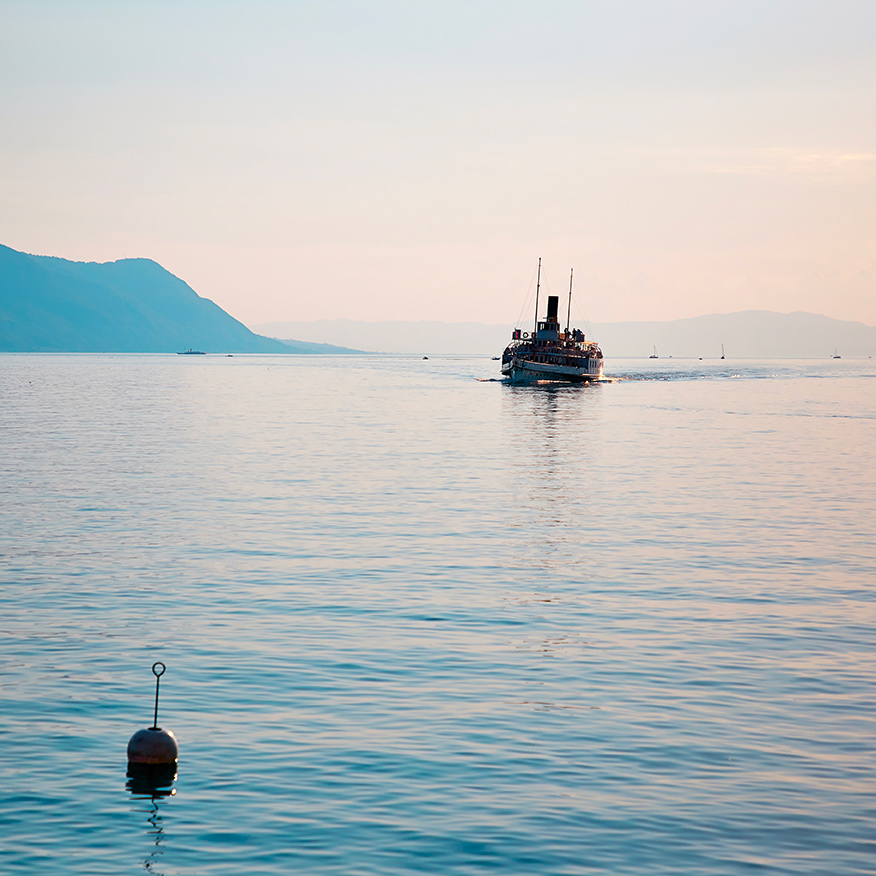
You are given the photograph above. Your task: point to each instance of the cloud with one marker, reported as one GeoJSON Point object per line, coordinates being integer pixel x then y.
{"type": "Point", "coordinates": [782, 161]}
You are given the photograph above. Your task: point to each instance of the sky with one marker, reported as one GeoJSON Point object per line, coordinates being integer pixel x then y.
{"type": "Point", "coordinates": [411, 160]}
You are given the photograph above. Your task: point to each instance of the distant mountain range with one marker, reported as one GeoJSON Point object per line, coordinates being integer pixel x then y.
{"type": "Point", "coordinates": [751, 334]}
{"type": "Point", "coordinates": [49, 304]}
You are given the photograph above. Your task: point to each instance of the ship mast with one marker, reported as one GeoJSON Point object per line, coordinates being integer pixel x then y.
{"type": "Point", "coordinates": [537, 286]}
{"type": "Point", "coordinates": [569, 311]}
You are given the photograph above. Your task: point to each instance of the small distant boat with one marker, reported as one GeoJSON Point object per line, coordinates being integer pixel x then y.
{"type": "Point", "coordinates": [654, 354]}
{"type": "Point", "coordinates": [722, 351]}
{"type": "Point", "coordinates": [836, 355]}
{"type": "Point", "coordinates": [191, 352]}
{"type": "Point", "coordinates": [548, 355]}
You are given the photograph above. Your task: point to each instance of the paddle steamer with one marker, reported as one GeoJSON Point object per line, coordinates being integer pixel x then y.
{"type": "Point", "coordinates": [549, 355]}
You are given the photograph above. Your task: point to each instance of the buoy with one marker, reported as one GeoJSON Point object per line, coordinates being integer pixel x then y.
{"type": "Point", "coordinates": [153, 745]}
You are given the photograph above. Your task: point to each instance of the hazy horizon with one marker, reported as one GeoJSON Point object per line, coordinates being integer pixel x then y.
{"type": "Point", "coordinates": [749, 334]}
{"type": "Point", "coordinates": [383, 161]}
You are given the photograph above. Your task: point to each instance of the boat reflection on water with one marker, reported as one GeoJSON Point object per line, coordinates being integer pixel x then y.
{"type": "Point", "coordinates": [556, 433]}
{"type": "Point", "coordinates": [152, 781]}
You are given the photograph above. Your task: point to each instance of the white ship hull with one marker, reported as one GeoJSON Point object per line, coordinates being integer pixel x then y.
{"type": "Point", "coordinates": [523, 371]}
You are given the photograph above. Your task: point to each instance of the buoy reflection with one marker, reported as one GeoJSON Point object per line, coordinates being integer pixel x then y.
{"type": "Point", "coordinates": [151, 779]}
{"type": "Point", "coordinates": [154, 781]}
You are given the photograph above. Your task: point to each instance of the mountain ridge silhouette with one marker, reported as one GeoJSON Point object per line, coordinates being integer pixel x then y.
{"type": "Point", "coordinates": [53, 305]}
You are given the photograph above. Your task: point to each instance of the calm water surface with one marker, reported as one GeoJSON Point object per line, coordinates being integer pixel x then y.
{"type": "Point", "coordinates": [416, 620]}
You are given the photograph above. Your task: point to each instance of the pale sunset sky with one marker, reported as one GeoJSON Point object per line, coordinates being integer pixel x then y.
{"type": "Point", "coordinates": [411, 160]}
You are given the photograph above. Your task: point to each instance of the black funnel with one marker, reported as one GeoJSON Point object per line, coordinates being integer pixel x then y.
{"type": "Point", "coordinates": [553, 301]}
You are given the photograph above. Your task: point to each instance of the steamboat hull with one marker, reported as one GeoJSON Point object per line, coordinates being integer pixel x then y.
{"type": "Point", "coordinates": [523, 371]}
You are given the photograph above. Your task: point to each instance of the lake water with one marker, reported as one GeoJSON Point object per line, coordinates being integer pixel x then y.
{"type": "Point", "coordinates": [416, 620]}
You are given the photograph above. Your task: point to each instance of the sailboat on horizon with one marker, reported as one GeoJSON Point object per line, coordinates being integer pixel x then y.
{"type": "Point", "coordinates": [654, 354]}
